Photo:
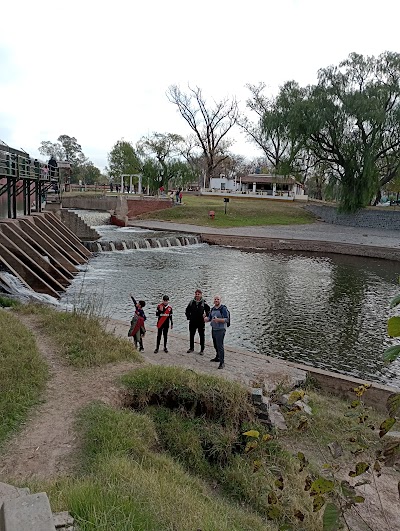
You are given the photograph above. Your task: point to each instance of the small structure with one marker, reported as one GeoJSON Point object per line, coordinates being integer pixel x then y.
{"type": "Point", "coordinates": [276, 186]}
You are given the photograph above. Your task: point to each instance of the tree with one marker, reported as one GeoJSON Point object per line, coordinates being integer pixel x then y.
{"type": "Point", "coordinates": [89, 173]}
{"type": "Point", "coordinates": [123, 160]}
{"type": "Point", "coordinates": [272, 131]}
{"type": "Point", "coordinates": [210, 124]}
{"type": "Point", "coordinates": [165, 148]}
{"type": "Point", "coordinates": [67, 149]}
{"type": "Point", "coordinates": [351, 122]}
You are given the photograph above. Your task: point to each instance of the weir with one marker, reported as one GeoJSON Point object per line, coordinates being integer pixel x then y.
{"type": "Point", "coordinates": [41, 252]}
{"type": "Point", "coordinates": [142, 243]}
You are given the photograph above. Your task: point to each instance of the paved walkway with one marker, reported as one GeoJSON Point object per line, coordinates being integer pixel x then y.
{"type": "Point", "coordinates": [318, 231]}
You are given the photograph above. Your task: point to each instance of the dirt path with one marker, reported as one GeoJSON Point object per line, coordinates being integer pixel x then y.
{"type": "Point", "coordinates": [45, 446]}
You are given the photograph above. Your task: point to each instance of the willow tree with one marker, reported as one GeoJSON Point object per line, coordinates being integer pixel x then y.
{"type": "Point", "coordinates": [351, 122]}
{"type": "Point", "coordinates": [210, 123]}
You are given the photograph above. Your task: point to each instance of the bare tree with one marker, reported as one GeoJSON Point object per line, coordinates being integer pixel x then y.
{"type": "Point", "coordinates": [210, 124]}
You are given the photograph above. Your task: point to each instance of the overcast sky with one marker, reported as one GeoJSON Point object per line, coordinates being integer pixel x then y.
{"type": "Point", "coordinates": [99, 71]}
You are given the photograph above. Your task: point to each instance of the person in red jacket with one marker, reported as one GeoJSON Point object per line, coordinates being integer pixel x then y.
{"type": "Point", "coordinates": [164, 314]}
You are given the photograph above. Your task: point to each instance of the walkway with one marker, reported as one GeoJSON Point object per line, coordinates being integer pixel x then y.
{"type": "Point", "coordinates": [318, 231]}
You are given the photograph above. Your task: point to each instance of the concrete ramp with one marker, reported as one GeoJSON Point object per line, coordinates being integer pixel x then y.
{"type": "Point", "coordinates": [42, 252]}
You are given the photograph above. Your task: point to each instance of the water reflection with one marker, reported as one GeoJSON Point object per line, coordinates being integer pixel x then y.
{"type": "Point", "coordinates": [328, 311]}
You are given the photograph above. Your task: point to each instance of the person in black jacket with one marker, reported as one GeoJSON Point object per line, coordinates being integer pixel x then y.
{"type": "Point", "coordinates": [195, 312]}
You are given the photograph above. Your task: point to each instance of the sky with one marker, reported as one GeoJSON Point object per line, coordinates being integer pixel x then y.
{"type": "Point", "coordinates": [99, 71]}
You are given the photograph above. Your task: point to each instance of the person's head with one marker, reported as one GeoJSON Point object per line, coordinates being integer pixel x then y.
{"type": "Point", "coordinates": [142, 304]}
{"type": "Point", "coordinates": [165, 299]}
{"type": "Point", "coordinates": [198, 294]}
{"type": "Point", "coordinates": [217, 300]}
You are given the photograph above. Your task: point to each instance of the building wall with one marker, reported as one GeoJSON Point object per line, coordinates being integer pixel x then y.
{"type": "Point", "coordinates": [369, 217]}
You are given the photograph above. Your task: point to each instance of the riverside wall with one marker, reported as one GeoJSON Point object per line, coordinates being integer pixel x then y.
{"type": "Point", "coordinates": [374, 218]}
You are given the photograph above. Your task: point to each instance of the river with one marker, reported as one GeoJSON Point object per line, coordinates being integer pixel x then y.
{"type": "Point", "coordinates": [327, 311]}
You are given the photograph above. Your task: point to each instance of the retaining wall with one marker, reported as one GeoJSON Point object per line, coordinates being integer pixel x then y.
{"type": "Point", "coordinates": [368, 217]}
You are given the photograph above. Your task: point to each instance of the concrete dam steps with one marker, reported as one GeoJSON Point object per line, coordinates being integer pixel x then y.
{"type": "Point", "coordinates": [41, 252]}
{"type": "Point", "coordinates": [143, 243]}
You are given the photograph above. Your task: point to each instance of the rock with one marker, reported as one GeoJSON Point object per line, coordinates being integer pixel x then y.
{"type": "Point", "coordinates": [304, 407]}
{"type": "Point", "coordinates": [276, 418]}
{"type": "Point", "coordinates": [63, 519]}
{"type": "Point", "coordinates": [256, 395]}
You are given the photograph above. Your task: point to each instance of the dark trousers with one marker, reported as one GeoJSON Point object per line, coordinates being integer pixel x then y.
{"type": "Point", "coordinates": [162, 331]}
{"type": "Point", "coordinates": [193, 328]}
{"type": "Point", "coordinates": [218, 341]}
{"type": "Point", "coordinates": [137, 338]}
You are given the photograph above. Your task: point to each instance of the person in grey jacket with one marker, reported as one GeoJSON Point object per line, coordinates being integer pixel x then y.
{"type": "Point", "coordinates": [218, 317]}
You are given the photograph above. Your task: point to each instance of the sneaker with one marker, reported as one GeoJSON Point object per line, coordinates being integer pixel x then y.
{"type": "Point", "coordinates": [221, 365]}
{"type": "Point", "coordinates": [166, 350]}
{"type": "Point", "coordinates": [155, 351]}
{"type": "Point", "coordinates": [201, 352]}
{"type": "Point", "coordinates": [189, 350]}
{"type": "Point", "coordinates": [141, 349]}
{"type": "Point", "coordinates": [215, 359]}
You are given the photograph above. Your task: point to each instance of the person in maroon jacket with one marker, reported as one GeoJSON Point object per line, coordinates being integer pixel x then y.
{"type": "Point", "coordinates": [164, 314]}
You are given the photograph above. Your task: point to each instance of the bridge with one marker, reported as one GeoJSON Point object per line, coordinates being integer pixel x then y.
{"type": "Point", "coordinates": [20, 174]}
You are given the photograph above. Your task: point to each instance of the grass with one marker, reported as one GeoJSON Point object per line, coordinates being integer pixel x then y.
{"type": "Point", "coordinates": [81, 338]}
{"type": "Point", "coordinates": [23, 374]}
{"type": "Point", "coordinates": [240, 212]}
{"type": "Point", "coordinates": [127, 484]}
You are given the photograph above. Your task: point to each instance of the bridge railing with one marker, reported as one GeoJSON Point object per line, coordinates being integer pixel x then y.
{"type": "Point", "coordinates": [19, 166]}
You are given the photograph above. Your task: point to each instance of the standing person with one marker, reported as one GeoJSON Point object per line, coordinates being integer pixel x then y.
{"type": "Point", "coordinates": [218, 318]}
{"type": "Point", "coordinates": [138, 329]}
{"type": "Point", "coordinates": [52, 164]}
{"type": "Point", "coordinates": [180, 195]}
{"type": "Point", "coordinates": [195, 312]}
{"type": "Point", "coordinates": [177, 196]}
{"type": "Point", "coordinates": [164, 314]}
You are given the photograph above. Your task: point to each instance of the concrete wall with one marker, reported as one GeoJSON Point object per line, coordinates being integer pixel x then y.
{"type": "Point", "coordinates": [90, 203]}
{"type": "Point", "coordinates": [369, 217]}
{"type": "Point", "coordinates": [78, 226]}
{"type": "Point", "coordinates": [140, 206]}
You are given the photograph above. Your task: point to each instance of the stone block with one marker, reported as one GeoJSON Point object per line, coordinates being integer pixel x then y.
{"type": "Point", "coordinates": [27, 513]}
{"type": "Point", "coordinates": [256, 395]}
{"type": "Point", "coordinates": [62, 520]}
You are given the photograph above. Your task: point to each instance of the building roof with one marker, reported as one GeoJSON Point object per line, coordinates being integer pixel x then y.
{"type": "Point", "coordinates": [261, 178]}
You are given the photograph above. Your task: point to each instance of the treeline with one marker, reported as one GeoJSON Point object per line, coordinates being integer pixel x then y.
{"type": "Point", "coordinates": [339, 137]}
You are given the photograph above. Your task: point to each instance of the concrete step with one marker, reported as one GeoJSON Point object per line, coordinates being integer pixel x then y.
{"type": "Point", "coordinates": [29, 512]}
{"type": "Point", "coordinates": [9, 492]}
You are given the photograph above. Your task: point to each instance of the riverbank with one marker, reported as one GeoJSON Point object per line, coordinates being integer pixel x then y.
{"type": "Point", "coordinates": [316, 237]}
{"type": "Point", "coordinates": [252, 369]}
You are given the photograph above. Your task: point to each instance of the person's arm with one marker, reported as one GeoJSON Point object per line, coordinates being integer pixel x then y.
{"type": "Point", "coordinates": [170, 317]}
{"type": "Point", "coordinates": [224, 317]}
{"type": "Point", "coordinates": [133, 299]}
{"type": "Point", "coordinates": [207, 309]}
{"type": "Point", "coordinates": [187, 311]}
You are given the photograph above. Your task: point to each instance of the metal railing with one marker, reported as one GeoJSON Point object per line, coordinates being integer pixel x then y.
{"type": "Point", "coordinates": [20, 174]}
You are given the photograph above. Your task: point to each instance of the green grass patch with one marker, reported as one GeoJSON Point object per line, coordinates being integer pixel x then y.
{"type": "Point", "coordinates": [6, 302]}
{"type": "Point", "coordinates": [127, 484]}
{"type": "Point", "coordinates": [174, 387]}
{"type": "Point", "coordinates": [239, 212]}
{"type": "Point", "coordinates": [82, 338]}
{"type": "Point", "coordinates": [23, 374]}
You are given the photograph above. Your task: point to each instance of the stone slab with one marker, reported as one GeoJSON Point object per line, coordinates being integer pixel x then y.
{"type": "Point", "coordinates": [27, 513]}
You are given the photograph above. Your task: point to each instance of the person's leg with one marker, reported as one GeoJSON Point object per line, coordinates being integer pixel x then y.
{"type": "Point", "coordinates": [215, 345]}
{"type": "Point", "coordinates": [219, 339]}
{"type": "Point", "coordinates": [192, 331]}
{"type": "Point", "coordinates": [159, 332]}
{"type": "Point", "coordinates": [136, 338]}
{"type": "Point", "coordinates": [165, 332]}
{"type": "Point", "coordinates": [201, 329]}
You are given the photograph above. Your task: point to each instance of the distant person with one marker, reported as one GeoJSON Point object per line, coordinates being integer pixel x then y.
{"type": "Point", "coordinates": [195, 312]}
{"type": "Point", "coordinates": [177, 196]}
{"type": "Point", "coordinates": [111, 187]}
{"type": "Point", "coordinates": [180, 195]}
{"type": "Point", "coordinates": [52, 164]}
{"type": "Point", "coordinates": [218, 318]}
{"type": "Point", "coordinates": [138, 329]}
{"type": "Point", "coordinates": [164, 314]}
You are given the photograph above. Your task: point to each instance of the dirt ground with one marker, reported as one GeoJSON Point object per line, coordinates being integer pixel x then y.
{"type": "Point", "coordinates": [46, 445]}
